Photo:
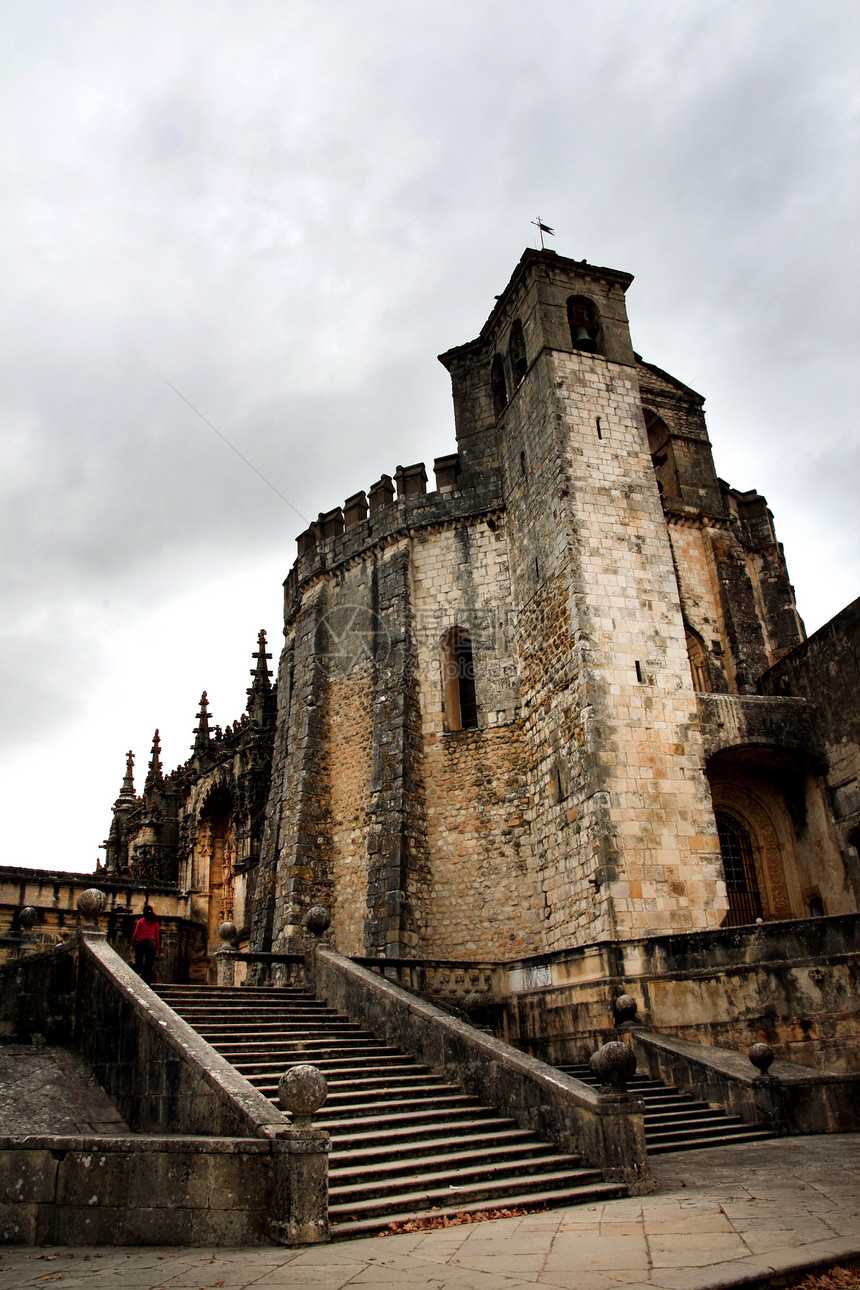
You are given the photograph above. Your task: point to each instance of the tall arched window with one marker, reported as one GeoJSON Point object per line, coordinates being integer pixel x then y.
{"type": "Point", "coordinates": [458, 680]}
{"type": "Point", "coordinates": [662, 454]}
{"type": "Point", "coordinates": [584, 323]}
{"type": "Point", "coordinates": [498, 386]}
{"type": "Point", "coordinates": [698, 661]}
{"type": "Point", "coordinates": [736, 848]}
{"type": "Point", "coordinates": [517, 351]}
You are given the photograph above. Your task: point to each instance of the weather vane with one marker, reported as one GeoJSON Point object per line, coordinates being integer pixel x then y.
{"type": "Point", "coordinates": [544, 228]}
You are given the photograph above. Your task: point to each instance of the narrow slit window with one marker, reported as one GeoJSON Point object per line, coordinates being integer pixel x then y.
{"type": "Point", "coordinates": [458, 665]}
{"type": "Point", "coordinates": [517, 352]}
{"type": "Point", "coordinates": [499, 386]}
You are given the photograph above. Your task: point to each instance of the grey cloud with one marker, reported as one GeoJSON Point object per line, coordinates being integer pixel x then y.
{"type": "Point", "coordinates": [288, 211]}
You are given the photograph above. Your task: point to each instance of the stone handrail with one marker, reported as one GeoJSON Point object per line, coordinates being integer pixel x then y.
{"type": "Point", "coordinates": [790, 1098]}
{"type": "Point", "coordinates": [607, 1130]}
{"type": "Point", "coordinates": [163, 1076]}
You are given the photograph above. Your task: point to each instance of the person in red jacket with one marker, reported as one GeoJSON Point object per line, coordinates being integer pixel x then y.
{"type": "Point", "coordinates": [146, 942]}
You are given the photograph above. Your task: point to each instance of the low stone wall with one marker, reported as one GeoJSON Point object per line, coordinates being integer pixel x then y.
{"type": "Point", "coordinates": [606, 1130]}
{"type": "Point", "coordinates": [135, 1191]}
{"type": "Point", "coordinates": [163, 1077]}
{"type": "Point", "coordinates": [790, 1098]}
{"type": "Point", "coordinates": [794, 985]}
{"type": "Point", "coordinates": [37, 996]}
{"type": "Point", "coordinates": [237, 1172]}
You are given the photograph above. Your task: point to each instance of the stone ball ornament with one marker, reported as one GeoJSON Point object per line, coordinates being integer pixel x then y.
{"type": "Point", "coordinates": [317, 920]}
{"type": "Point", "coordinates": [28, 918]}
{"type": "Point", "coordinates": [761, 1056]}
{"type": "Point", "coordinates": [625, 1008]}
{"type": "Point", "coordinates": [229, 933]}
{"type": "Point", "coordinates": [91, 903]}
{"type": "Point", "coordinates": [302, 1091]}
{"type": "Point", "coordinates": [614, 1065]}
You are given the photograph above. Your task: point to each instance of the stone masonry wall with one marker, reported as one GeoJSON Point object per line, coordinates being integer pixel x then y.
{"type": "Point", "coordinates": [605, 662]}
{"type": "Point", "coordinates": [481, 897]}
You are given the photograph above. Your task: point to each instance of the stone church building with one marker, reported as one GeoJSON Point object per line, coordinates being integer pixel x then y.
{"type": "Point", "coordinates": [561, 700]}
{"type": "Point", "coordinates": [543, 704]}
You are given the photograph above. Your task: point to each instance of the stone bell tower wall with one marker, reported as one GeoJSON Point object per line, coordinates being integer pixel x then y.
{"type": "Point", "coordinates": [620, 817]}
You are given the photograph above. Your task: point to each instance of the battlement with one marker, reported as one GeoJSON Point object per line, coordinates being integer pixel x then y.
{"type": "Point", "coordinates": [389, 506]}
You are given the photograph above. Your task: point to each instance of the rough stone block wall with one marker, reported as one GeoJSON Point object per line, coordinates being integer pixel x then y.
{"type": "Point", "coordinates": [349, 710]}
{"type": "Point", "coordinates": [481, 897]}
{"type": "Point", "coordinates": [693, 554]}
{"type": "Point", "coordinates": [605, 660]}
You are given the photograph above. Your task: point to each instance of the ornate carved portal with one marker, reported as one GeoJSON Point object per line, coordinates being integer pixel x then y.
{"type": "Point", "coordinates": [767, 853]}
{"type": "Point", "coordinates": [216, 849]}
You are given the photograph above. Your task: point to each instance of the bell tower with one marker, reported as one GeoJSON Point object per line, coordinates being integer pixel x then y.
{"type": "Point", "coordinates": [624, 840]}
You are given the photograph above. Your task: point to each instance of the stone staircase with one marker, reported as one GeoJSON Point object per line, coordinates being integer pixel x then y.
{"type": "Point", "coordinates": [676, 1121]}
{"type": "Point", "coordinates": [404, 1141]}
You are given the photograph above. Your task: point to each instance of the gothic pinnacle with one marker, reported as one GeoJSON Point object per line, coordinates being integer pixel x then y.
{"type": "Point", "coordinates": [127, 789]}
{"type": "Point", "coordinates": [154, 775]}
{"type": "Point", "coordinates": [201, 730]}
{"type": "Point", "coordinates": [259, 693]}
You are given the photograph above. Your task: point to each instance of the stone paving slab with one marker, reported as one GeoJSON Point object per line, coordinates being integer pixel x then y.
{"type": "Point", "coordinates": [726, 1217]}
{"type": "Point", "coordinates": [50, 1090]}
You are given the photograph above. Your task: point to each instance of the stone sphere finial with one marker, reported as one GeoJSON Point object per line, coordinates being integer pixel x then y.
{"type": "Point", "coordinates": [625, 1008]}
{"type": "Point", "coordinates": [301, 1091]}
{"type": "Point", "coordinates": [228, 933]}
{"type": "Point", "coordinates": [761, 1056]}
{"type": "Point", "coordinates": [28, 917]}
{"type": "Point", "coordinates": [614, 1065]}
{"type": "Point", "coordinates": [317, 920]}
{"type": "Point", "coordinates": [91, 903]}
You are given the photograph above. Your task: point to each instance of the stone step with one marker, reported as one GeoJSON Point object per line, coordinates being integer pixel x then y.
{"type": "Point", "coordinates": [437, 1176]}
{"type": "Point", "coordinates": [404, 1140]}
{"type": "Point", "coordinates": [595, 1193]}
{"type": "Point", "coordinates": [347, 1094]}
{"type": "Point", "coordinates": [296, 1054]}
{"type": "Point", "coordinates": [417, 1124]}
{"type": "Point", "coordinates": [416, 1108]}
{"type": "Point", "coordinates": [706, 1115]}
{"type": "Point", "coordinates": [692, 1141]}
{"type": "Point", "coordinates": [675, 1121]}
{"type": "Point", "coordinates": [400, 1143]}
{"type": "Point", "coordinates": [499, 1190]}
{"type": "Point", "coordinates": [349, 1085]}
{"type": "Point", "coordinates": [253, 1028]}
{"type": "Point", "coordinates": [437, 1154]}
{"type": "Point", "coordinates": [388, 1066]}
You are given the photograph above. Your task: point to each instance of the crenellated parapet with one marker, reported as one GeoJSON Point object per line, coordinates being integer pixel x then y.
{"type": "Point", "coordinates": [390, 508]}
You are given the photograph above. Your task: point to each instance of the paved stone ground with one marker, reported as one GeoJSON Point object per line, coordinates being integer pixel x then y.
{"type": "Point", "coordinates": [50, 1090]}
{"type": "Point", "coordinates": [725, 1217]}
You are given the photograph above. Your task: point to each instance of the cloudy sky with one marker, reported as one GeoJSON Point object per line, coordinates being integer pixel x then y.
{"type": "Point", "coordinates": [284, 212]}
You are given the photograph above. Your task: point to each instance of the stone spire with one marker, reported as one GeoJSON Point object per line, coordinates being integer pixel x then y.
{"type": "Point", "coordinates": [260, 693]}
{"type": "Point", "coordinates": [154, 775]}
{"type": "Point", "coordinates": [201, 730]}
{"type": "Point", "coordinates": [126, 793]}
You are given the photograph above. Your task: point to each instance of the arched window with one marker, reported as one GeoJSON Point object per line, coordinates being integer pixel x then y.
{"type": "Point", "coordinates": [736, 849]}
{"type": "Point", "coordinates": [458, 680]}
{"type": "Point", "coordinates": [584, 323]}
{"type": "Point", "coordinates": [698, 661]}
{"type": "Point", "coordinates": [662, 454]}
{"type": "Point", "coordinates": [517, 351]}
{"type": "Point", "coordinates": [498, 386]}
